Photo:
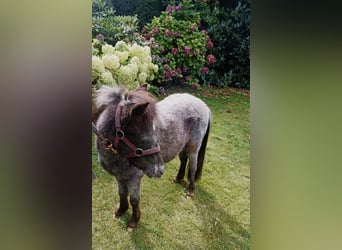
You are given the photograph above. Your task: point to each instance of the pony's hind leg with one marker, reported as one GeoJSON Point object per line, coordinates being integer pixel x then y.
{"type": "Point", "coordinates": [181, 172]}
{"type": "Point", "coordinates": [123, 193]}
{"type": "Point", "coordinates": [192, 174]}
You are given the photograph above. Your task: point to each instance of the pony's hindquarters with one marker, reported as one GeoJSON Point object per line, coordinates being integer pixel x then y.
{"type": "Point", "coordinates": [183, 129]}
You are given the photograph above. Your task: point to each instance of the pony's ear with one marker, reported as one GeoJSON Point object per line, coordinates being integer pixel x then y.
{"type": "Point", "coordinates": [139, 109]}
{"type": "Point", "coordinates": [143, 87]}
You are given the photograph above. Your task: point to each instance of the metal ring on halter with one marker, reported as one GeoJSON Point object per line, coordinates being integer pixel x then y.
{"type": "Point", "coordinates": [120, 134]}
{"type": "Point", "coordinates": [138, 152]}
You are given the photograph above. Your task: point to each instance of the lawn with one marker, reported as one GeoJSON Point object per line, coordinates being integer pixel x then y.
{"type": "Point", "coordinates": [217, 217]}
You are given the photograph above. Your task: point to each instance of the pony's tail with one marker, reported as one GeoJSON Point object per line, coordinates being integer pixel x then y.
{"type": "Point", "coordinates": [201, 153]}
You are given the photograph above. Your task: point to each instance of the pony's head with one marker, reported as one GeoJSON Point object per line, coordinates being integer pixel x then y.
{"type": "Point", "coordinates": [127, 127]}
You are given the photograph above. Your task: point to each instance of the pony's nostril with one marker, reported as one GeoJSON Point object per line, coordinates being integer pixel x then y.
{"type": "Point", "coordinates": [161, 169]}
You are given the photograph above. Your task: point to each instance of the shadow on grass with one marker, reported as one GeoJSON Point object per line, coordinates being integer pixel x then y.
{"type": "Point", "coordinates": [218, 225]}
{"type": "Point", "coordinates": [218, 228]}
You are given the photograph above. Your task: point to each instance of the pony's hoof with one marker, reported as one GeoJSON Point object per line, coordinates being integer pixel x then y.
{"type": "Point", "coordinates": [190, 194]}
{"type": "Point", "coordinates": [119, 213]}
{"type": "Point", "coordinates": [176, 180]}
{"type": "Point", "coordinates": [132, 225]}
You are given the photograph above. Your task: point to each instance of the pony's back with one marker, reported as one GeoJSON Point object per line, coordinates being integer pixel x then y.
{"type": "Point", "coordinates": [184, 105]}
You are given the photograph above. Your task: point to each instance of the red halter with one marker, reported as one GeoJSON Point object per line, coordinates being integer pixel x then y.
{"type": "Point", "coordinates": [120, 136]}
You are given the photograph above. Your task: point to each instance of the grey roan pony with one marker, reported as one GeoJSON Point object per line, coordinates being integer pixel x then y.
{"type": "Point", "coordinates": [137, 135]}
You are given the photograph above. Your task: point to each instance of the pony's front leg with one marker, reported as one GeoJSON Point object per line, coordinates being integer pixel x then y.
{"type": "Point", "coordinates": [134, 192]}
{"type": "Point", "coordinates": [181, 172]}
{"type": "Point", "coordinates": [123, 193]}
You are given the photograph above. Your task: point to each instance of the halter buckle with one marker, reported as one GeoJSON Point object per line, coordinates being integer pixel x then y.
{"type": "Point", "coordinates": [110, 147]}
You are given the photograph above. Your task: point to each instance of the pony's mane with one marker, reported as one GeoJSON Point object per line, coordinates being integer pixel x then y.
{"type": "Point", "coordinates": [109, 95]}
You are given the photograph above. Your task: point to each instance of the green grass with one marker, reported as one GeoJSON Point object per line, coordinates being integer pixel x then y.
{"type": "Point", "coordinates": [217, 217]}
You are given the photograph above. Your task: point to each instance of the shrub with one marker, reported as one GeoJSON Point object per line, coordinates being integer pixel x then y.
{"type": "Point", "coordinates": [128, 64]}
{"type": "Point", "coordinates": [111, 28]}
{"type": "Point", "coordinates": [145, 9]}
{"type": "Point", "coordinates": [230, 33]}
{"type": "Point", "coordinates": [178, 47]}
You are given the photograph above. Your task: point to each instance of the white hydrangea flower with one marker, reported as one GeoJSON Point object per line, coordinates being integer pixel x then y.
{"type": "Point", "coordinates": [125, 64]}
{"type": "Point", "coordinates": [142, 77]}
{"type": "Point", "coordinates": [97, 67]}
{"type": "Point", "coordinates": [121, 46]}
{"type": "Point", "coordinates": [137, 50]}
{"type": "Point", "coordinates": [147, 50]}
{"type": "Point", "coordinates": [122, 55]}
{"type": "Point", "coordinates": [111, 61]}
{"type": "Point", "coordinates": [143, 67]}
{"type": "Point", "coordinates": [107, 78]}
{"type": "Point", "coordinates": [127, 74]}
{"type": "Point", "coordinates": [108, 49]}
{"type": "Point", "coordinates": [135, 60]}
{"type": "Point", "coordinates": [153, 67]}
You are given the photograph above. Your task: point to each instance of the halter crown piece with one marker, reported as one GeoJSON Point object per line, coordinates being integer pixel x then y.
{"type": "Point", "coordinates": [120, 136]}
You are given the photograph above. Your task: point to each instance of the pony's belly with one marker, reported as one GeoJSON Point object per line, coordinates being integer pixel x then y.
{"type": "Point", "coordinates": [170, 154]}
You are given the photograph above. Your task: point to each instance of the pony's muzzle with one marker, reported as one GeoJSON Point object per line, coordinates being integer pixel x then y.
{"type": "Point", "coordinates": [156, 171]}
{"type": "Point", "coordinates": [159, 170]}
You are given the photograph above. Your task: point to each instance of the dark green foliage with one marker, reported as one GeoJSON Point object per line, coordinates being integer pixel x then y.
{"type": "Point", "coordinates": [144, 9]}
{"type": "Point", "coordinates": [228, 3]}
{"type": "Point", "coordinates": [112, 27]}
{"type": "Point", "coordinates": [165, 3]}
{"type": "Point", "coordinates": [230, 33]}
{"type": "Point", "coordinates": [127, 7]}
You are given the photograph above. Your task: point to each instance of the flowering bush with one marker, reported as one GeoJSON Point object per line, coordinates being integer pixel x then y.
{"type": "Point", "coordinates": [229, 29]}
{"type": "Point", "coordinates": [178, 47]}
{"type": "Point", "coordinates": [128, 64]}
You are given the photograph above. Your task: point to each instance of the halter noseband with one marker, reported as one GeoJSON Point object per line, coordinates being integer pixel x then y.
{"type": "Point", "coordinates": [120, 136]}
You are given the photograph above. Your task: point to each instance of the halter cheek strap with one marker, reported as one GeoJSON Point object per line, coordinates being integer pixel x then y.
{"type": "Point", "coordinates": [120, 136]}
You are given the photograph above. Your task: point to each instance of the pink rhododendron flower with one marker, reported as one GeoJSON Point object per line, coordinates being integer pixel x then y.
{"type": "Point", "coordinates": [192, 28]}
{"type": "Point", "coordinates": [174, 51]}
{"type": "Point", "coordinates": [195, 52]}
{"type": "Point", "coordinates": [186, 50]}
{"type": "Point", "coordinates": [167, 32]}
{"type": "Point", "coordinates": [204, 32]}
{"type": "Point", "coordinates": [195, 86]}
{"type": "Point", "coordinates": [176, 34]}
{"type": "Point", "coordinates": [100, 37]}
{"type": "Point", "coordinates": [178, 7]}
{"type": "Point", "coordinates": [169, 9]}
{"type": "Point", "coordinates": [211, 59]}
{"type": "Point", "coordinates": [210, 44]}
{"type": "Point", "coordinates": [167, 67]}
{"type": "Point", "coordinates": [155, 31]}
{"type": "Point", "coordinates": [205, 70]}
